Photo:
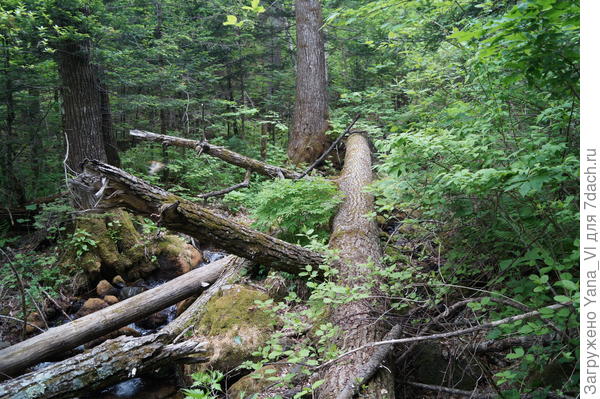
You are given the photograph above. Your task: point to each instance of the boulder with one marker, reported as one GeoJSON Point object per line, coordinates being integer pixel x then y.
{"type": "Point", "coordinates": [34, 320]}
{"type": "Point", "coordinates": [110, 299]}
{"type": "Point", "coordinates": [128, 292]}
{"type": "Point", "coordinates": [234, 326]}
{"type": "Point", "coordinates": [105, 288]}
{"type": "Point", "coordinates": [176, 259]}
{"type": "Point", "coordinates": [118, 281]}
{"type": "Point", "coordinates": [90, 306]}
{"type": "Point", "coordinates": [154, 321]}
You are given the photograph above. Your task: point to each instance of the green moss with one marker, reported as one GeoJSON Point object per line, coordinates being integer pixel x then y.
{"type": "Point", "coordinates": [234, 308]}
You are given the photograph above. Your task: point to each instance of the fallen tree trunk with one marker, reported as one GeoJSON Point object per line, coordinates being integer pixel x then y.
{"type": "Point", "coordinates": [113, 188]}
{"type": "Point", "coordinates": [108, 363]}
{"type": "Point", "coordinates": [219, 152]}
{"type": "Point", "coordinates": [68, 336]}
{"type": "Point", "coordinates": [126, 356]}
{"type": "Point", "coordinates": [356, 240]}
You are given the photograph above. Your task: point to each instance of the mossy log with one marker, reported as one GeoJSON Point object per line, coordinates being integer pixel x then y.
{"type": "Point", "coordinates": [68, 336]}
{"type": "Point", "coordinates": [222, 153]}
{"type": "Point", "coordinates": [113, 187]}
{"type": "Point", "coordinates": [108, 363]}
{"type": "Point", "coordinates": [355, 237]}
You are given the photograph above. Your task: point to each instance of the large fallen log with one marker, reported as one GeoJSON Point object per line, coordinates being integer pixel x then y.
{"type": "Point", "coordinates": [108, 363]}
{"type": "Point", "coordinates": [222, 153]}
{"type": "Point", "coordinates": [126, 356]}
{"type": "Point", "coordinates": [114, 187]}
{"type": "Point", "coordinates": [355, 238]}
{"type": "Point", "coordinates": [68, 336]}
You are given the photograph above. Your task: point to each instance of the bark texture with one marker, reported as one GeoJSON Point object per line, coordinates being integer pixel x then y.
{"type": "Point", "coordinates": [108, 363]}
{"type": "Point", "coordinates": [68, 336]}
{"type": "Point", "coordinates": [356, 239]}
{"type": "Point", "coordinates": [82, 116]}
{"type": "Point", "coordinates": [114, 188]}
{"type": "Point", "coordinates": [307, 139]}
{"type": "Point", "coordinates": [219, 152]}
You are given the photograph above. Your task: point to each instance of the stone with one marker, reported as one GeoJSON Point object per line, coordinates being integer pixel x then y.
{"type": "Point", "coordinates": [34, 320]}
{"type": "Point", "coordinates": [128, 292]}
{"type": "Point", "coordinates": [183, 305]}
{"type": "Point", "coordinates": [177, 259]}
{"type": "Point", "coordinates": [234, 326]}
{"type": "Point", "coordinates": [90, 306]}
{"type": "Point", "coordinates": [111, 299]}
{"type": "Point", "coordinates": [105, 288]}
{"type": "Point", "coordinates": [118, 281]}
{"type": "Point", "coordinates": [154, 321]}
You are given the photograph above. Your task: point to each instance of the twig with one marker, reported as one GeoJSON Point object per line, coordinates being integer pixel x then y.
{"type": "Point", "coordinates": [224, 191]}
{"type": "Point", "coordinates": [21, 289]}
{"type": "Point", "coordinates": [475, 395]}
{"type": "Point", "coordinates": [453, 391]}
{"type": "Point", "coordinates": [369, 370]}
{"type": "Point", "coordinates": [485, 326]}
{"type": "Point", "coordinates": [21, 321]}
{"type": "Point", "coordinates": [56, 304]}
{"type": "Point", "coordinates": [331, 147]}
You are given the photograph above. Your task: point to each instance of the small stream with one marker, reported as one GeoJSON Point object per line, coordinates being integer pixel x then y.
{"type": "Point", "coordinates": [153, 386]}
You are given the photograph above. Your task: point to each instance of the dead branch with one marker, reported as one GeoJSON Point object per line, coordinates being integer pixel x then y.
{"type": "Point", "coordinates": [224, 191]}
{"type": "Point", "coordinates": [331, 147]}
{"type": "Point", "coordinates": [222, 153]}
{"type": "Point", "coordinates": [433, 337]}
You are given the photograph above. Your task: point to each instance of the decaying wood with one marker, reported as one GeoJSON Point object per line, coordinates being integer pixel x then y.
{"type": "Point", "coordinates": [70, 335]}
{"type": "Point", "coordinates": [115, 187]}
{"type": "Point", "coordinates": [356, 239]}
{"type": "Point", "coordinates": [142, 354]}
{"type": "Point", "coordinates": [222, 153]}
{"type": "Point", "coordinates": [224, 191]}
{"type": "Point", "coordinates": [331, 147]}
{"type": "Point", "coordinates": [476, 395]}
{"type": "Point", "coordinates": [108, 363]}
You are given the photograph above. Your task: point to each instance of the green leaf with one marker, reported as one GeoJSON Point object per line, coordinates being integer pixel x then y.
{"type": "Point", "coordinates": [518, 353]}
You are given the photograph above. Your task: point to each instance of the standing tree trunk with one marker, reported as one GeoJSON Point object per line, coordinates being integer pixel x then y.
{"type": "Point", "coordinates": [81, 103]}
{"type": "Point", "coordinates": [307, 139]}
{"type": "Point", "coordinates": [108, 136]}
{"type": "Point", "coordinates": [355, 237]}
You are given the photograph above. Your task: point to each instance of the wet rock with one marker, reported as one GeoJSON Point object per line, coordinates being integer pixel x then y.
{"type": "Point", "coordinates": [105, 288]}
{"type": "Point", "coordinates": [176, 260]}
{"type": "Point", "coordinates": [131, 332]}
{"type": "Point", "coordinates": [34, 323]}
{"type": "Point", "coordinates": [90, 306]}
{"type": "Point", "coordinates": [111, 299]}
{"type": "Point", "coordinates": [118, 281]}
{"type": "Point", "coordinates": [128, 292]}
{"type": "Point", "coordinates": [183, 305]}
{"type": "Point", "coordinates": [154, 321]}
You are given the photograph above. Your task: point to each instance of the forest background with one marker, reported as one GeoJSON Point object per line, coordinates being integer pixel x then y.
{"type": "Point", "coordinates": [472, 108]}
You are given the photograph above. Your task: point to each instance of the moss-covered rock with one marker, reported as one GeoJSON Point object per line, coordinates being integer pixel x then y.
{"type": "Point", "coordinates": [120, 249]}
{"type": "Point", "coordinates": [234, 326]}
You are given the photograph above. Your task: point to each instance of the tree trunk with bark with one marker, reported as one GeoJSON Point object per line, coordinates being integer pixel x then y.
{"type": "Point", "coordinates": [114, 187]}
{"type": "Point", "coordinates": [356, 238]}
{"type": "Point", "coordinates": [219, 152]}
{"type": "Point", "coordinates": [81, 104]}
{"type": "Point", "coordinates": [307, 138]}
{"type": "Point", "coordinates": [68, 336]}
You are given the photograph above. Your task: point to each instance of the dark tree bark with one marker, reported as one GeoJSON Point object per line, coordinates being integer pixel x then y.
{"type": "Point", "coordinates": [356, 238]}
{"type": "Point", "coordinates": [307, 138]}
{"type": "Point", "coordinates": [108, 136]}
{"type": "Point", "coordinates": [7, 167]}
{"type": "Point", "coordinates": [81, 103]}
